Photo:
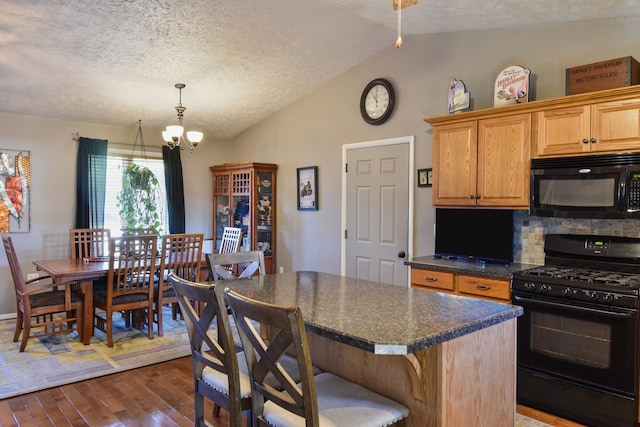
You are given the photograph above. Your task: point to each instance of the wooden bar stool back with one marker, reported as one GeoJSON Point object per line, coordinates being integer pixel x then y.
{"type": "Point", "coordinates": [216, 373]}
{"type": "Point", "coordinates": [237, 265]}
{"type": "Point", "coordinates": [327, 397]}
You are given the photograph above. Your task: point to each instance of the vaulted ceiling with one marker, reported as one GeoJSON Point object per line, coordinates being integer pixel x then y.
{"type": "Point", "coordinates": [116, 61]}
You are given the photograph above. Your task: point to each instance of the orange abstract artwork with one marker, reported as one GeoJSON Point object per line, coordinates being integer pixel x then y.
{"type": "Point", "coordinates": [15, 184]}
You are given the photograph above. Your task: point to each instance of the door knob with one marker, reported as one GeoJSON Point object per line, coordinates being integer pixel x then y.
{"type": "Point", "coordinates": [401, 254]}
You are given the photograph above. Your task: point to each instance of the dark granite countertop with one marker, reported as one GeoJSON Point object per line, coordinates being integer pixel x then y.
{"type": "Point", "coordinates": [461, 266]}
{"type": "Point", "coordinates": [379, 318]}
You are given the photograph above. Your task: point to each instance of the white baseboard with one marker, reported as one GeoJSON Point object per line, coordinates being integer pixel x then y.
{"type": "Point", "coordinates": [8, 316]}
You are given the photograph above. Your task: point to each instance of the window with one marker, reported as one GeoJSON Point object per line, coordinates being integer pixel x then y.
{"type": "Point", "coordinates": [116, 163]}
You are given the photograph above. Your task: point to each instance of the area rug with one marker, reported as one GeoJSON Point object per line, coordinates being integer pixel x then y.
{"type": "Point", "coordinates": [62, 359]}
{"type": "Point", "coordinates": [523, 421]}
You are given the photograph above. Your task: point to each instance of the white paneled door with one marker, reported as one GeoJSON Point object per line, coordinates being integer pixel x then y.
{"type": "Point", "coordinates": [377, 213]}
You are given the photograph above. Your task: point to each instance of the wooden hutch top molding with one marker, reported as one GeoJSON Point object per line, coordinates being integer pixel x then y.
{"type": "Point", "coordinates": [628, 92]}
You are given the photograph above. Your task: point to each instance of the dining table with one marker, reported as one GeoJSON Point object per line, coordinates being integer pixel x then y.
{"type": "Point", "coordinates": [450, 359]}
{"type": "Point", "coordinates": [67, 271]}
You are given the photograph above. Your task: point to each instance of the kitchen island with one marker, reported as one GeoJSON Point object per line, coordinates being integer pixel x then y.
{"type": "Point", "coordinates": [451, 360]}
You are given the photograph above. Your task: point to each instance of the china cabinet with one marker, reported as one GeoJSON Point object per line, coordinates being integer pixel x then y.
{"type": "Point", "coordinates": [244, 196]}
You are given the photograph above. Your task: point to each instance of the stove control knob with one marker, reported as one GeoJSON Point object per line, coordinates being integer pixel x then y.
{"type": "Point", "coordinates": [567, 292]}
{"type": "Point", "coordinates": [607, 298]}
{"type": "Point", "coordinates": [530, 286]}
{"type": "Point", "coordinates": [543, 289]}
{"type": "Point", "coordinates": [593, 295]}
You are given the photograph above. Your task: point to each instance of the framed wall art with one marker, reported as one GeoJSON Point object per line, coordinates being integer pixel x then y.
{"type": "Point", "coordinates": [15, 185]}
{"type": "Point", "coordinates": [425, 177]}
{"type": "Point", "coordinates": [308, 188]}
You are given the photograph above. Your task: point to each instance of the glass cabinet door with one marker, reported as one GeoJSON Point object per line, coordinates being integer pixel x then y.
{"type": "Point", "coordinates": [264, 209]}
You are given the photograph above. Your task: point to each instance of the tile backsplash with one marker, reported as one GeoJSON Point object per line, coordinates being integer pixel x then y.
{"type": "Point", "coordinates": [529, 232]}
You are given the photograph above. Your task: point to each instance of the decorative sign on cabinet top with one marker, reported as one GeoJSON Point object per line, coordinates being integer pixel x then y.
{"type": "Point", "coordinates": [512, 86]}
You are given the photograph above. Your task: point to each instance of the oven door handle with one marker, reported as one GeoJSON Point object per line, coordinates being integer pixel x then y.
{"type": "Point", "coordinates": [625, 315]}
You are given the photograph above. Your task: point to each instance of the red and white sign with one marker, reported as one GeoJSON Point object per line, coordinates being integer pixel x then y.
{"type": "Point", "coordinates": [512, 86]}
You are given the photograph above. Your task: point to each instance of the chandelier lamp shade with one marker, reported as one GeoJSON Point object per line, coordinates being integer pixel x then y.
{"type": "Point", "coordinates": [175, 136]}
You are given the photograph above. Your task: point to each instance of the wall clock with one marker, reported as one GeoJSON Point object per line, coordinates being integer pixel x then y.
{"type": "Point", "coordinates": [377, 101]}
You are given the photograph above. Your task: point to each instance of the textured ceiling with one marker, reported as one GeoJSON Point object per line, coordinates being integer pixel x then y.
{"type": "Point", "coordinates": [116, 61]}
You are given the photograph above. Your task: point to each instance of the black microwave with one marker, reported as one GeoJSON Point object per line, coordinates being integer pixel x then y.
{"type": "Point", "coordinates": [599, 186]}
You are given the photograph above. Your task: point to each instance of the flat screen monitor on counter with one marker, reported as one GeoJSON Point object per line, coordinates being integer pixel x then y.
{"type": "Point", "coordinates": [475, 234]}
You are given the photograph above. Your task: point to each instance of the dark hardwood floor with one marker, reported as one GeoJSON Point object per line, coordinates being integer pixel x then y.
{"type": "Point", "coordinates": [158, 395]}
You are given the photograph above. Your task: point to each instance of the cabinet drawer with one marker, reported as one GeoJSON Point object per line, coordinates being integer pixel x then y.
{"type": "Point", "coordinates": [484, 287]}
{"type": "Point", "coordinates": [432, 279]}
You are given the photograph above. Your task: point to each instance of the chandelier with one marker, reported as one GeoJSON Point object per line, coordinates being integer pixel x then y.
{"type": "Point", "coordinates": [174, 135]}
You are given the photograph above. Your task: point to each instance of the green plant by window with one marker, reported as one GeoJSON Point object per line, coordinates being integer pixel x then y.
{"type": "Point", "coordinates": [139, 198]}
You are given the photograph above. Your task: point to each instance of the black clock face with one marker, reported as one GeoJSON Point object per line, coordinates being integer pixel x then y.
{"type": "Point", "coordinates": [377, 101]}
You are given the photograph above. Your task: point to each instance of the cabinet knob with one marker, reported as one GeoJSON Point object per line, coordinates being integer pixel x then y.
{"type": "Point", "coordinates": [477, 196]}
{"type": "Point", "coordinates": [471, 196]}
{"type": "Point", "coordinates": [585, 141]}
{"type": "Point", "coordinates": [593, 140]}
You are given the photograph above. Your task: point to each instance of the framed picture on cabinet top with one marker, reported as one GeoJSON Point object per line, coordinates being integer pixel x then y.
{"type": "Point", "coordinates": [308, 188]}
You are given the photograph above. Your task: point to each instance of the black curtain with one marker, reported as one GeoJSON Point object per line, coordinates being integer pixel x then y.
{"type": "Point", "coordinates": [91, 179]}
{"type": "Point", "coordinates": [175, 189]}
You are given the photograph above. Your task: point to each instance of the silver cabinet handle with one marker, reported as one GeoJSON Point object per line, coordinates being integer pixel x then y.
{"type": "Point", "coordinates": [433, 279]}
{"type": "Point", "coordinates": [483, 287]}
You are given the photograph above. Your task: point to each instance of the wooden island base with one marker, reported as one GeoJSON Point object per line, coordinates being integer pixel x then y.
{"type": "Point", "coordinates": [467, 381]}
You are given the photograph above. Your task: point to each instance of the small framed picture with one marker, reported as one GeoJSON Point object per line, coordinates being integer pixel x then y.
{"type": "Point", "coordinates": [425, 177]}
{"type": "Point", "coordinates": [308, 188]}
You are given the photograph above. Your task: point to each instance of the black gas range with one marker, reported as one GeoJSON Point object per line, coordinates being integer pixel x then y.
{"type": "Point", "coordinates": [578, 338]}
{"type": "Point", "coordinates": [597, 269]}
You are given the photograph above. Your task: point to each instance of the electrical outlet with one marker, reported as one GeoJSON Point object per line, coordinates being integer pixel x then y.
{"type": "Point", "coordinates": [32, 276]}
{"type": "Point", "coordinates": [281, 269]}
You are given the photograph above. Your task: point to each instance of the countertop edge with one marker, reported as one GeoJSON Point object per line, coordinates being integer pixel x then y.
{"type": "Point", "coordinates": [468, 267]}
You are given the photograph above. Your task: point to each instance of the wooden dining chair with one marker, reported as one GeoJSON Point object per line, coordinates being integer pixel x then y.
{"type": "Point", "coordinates": [181, 254]}
{"type": "Point", "coordinates": [321, 400]}
{"type": "Point", "coordinates": [55, 310]}
{"type": "Point", "coordinates": [132, 266]}
{"type": "Point", "coordinates": [216, 365]}
{"type": "Point", "coordinates": [89, 242]}
{"type": "Point", "coordinates": [237, 265]}
{"type": "Point", "coordinates": [230, 240]}
{"type": "Point", "coordinates": [138, 231]}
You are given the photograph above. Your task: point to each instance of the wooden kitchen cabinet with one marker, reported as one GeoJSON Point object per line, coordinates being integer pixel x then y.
{"type": "Point", "coordinates": [482, 157]}
{"type": "Point", "coordinates": [484, 287]}
{"type": "Point", "coordinates": [244, 196]}
{"type": "Point", "coordinates": [483, 162]}
{"type": "Point", "coordinates": [461, 284]}
{"type": "Point", "coordinates": [583, 129]}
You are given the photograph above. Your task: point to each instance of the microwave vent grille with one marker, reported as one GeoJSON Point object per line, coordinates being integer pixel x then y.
{"type": "Point", "coordinates": [583, 161]}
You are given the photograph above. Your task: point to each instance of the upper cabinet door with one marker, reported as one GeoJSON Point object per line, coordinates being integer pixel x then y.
{"type": "Point", "coordinates": [604, 127]}
{"type": "Point", "coordinates": [563, 131]}
{"type": "Point", "coordinates": [615, 126]}
{"type": "Point", "coordinates": [455, 164]}
{"type": "Point", "coordinates": [504, 161]}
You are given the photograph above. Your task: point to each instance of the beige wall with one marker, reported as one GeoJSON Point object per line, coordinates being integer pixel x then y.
{"type": "Point", "coordinates": [312, 132]}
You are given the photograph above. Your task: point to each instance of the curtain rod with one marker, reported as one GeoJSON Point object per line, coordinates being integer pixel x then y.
{"type": "Point", "coordinates": [76, 136]}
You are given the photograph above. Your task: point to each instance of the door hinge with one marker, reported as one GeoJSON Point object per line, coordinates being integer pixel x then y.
{"type": "Point", "coordinates": [345, 234]}
{"type": "Point", "coordinates": [346, 168]}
